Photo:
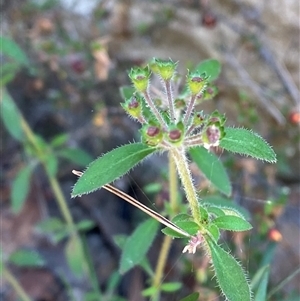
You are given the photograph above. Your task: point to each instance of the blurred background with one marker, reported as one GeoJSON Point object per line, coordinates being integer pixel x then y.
{"type": "Point", "coordinates": [76, 57]}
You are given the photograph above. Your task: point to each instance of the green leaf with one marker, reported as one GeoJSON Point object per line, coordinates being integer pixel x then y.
{"type": "Point", "coordinates": [212, 168]}
{"type": "Point", "coordinates": [261, 292]}
{"type": "Point", "coordinates": [214, 231]}
{"type": "Point", "coordinates": [223, 203]}
{"type": "Point", "coordinates": [232, 223]}
{"type": "Point", "coordinates": [150, 291]}
{"type": "Point", "coordinates": [85, 225]}
{"type": "Point", "coordinates": [120, 240]}
{"type": "Point", "coordinates": [74, 255]}
{"type": "Point", "coordinates": [10, 116]}
{"type": "Point", "coordinates": [152, 188]}
{"type": "Point", "coordinates": [171, 286]}
{"type": "Point", "coordinates": [191, 297]}
{"type": "Point", "coordinates": [245, 142]}
{"type": "Point", "coordinates": [233, 212]}
{"type": "Point", "coordinates": [12, 50]}
{"type": "Point", "coordinates": [76, 155]}
{"type": "Point", "coordinates": [26, 258]}
{"type": "Point", "coordinates": [146, 266]}
{"type": "Point", "coordinates": [203, 213]}
{"type": "Point", "coordinates": [188, 226]}
{"type": "Point", "coordinates": [51, 164]}
{"type": "Point", "coordinates": [110, 166]}
{"type": "Point", "coordinates": [229, 273]}
{"type": "Point", "coordinates": [20, 188]}
{"type": "Point", "coordinates": [181, 217]}
{"type": "Point", "coordinates": [113, 282]}
{"type": "Point", "coordinates": [7, 72]}
{"type": "Point", "coordinates": [216, 211]}
{"type": "Point", "coordinates": [51, 225]}
{"type": "Point", "coordinates": [55, 228]}
{"type": "Point", "coordinates": [172, 233]}
{"type": "Point", "coordinates": [211, 67]}
{"type": "Point", "coordinates": [137, 245]}
{"type": "Point", "coordinates": [260, 280]}
{"type": "Point", "coordinates": [126, 92]}
{"type": "Point", "coordinates": [59, 140]}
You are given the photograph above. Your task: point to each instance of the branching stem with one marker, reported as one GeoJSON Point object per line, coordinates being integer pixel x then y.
{"type": "Point", "coordinates": [170, 99]}
{"type": "Point", "coordinates": [154, 110]}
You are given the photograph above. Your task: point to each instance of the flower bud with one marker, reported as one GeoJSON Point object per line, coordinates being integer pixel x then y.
{"type": "Point", "coordinates": [198, 118]}
{"type": "Point", "coordinates": [196, 82]}
{"type": "Point", "coordinates": [209, 93]}
{"type": "Point", "coordinates": [175, 133]}
{"type": "Point", "coordinates": [213, 135]}
{"type": "Point", "coordinates": [274, 235]}
{"type": "Point", "coordinates": [140, 78]}
{"type": "Point", "coordinates": [133, 107]}
{"type": "Point", "coordinates": [152, 134]}
{"type": "Point", "coordinates": [165, 69]}
{"type": "Point", "coordinates": [180, 103]}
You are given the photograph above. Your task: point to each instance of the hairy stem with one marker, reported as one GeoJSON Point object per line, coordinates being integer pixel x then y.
{"type": "Point", "coordinates": [186, 179]}
{"type": "Point", "coordinates": [189, 110]}
{"type": "Point", "coordinates": [170, 99]}
{"type": "Point", "coordinates": [154, 110]}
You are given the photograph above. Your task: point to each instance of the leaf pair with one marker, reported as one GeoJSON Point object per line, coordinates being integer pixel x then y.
{"type": "Point", "coordinates": [119, 161]}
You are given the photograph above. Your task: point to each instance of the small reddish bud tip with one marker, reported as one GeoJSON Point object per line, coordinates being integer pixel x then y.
{"type": "Point", "coordinates": [274, 235]}
{"type": "Point", "coordinates": [175, 134]}
{"type": "Point", "coordinates": [197, 79]}
{"type": "Point", "coordinates": [133, 104]}
{"type": "Point", "coordinates": [152, 131]}
{"type": "Point", "coordinates": [209, 90]}
{"type": "Point", "coordinates": [294, 117]}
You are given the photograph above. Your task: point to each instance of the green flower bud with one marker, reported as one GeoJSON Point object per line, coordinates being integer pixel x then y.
{"type": "Point", "coordinates": [210, 92]}
{"type": "Point", "coordinates": [198, 118]}
{"type": "Point", "coordinates": [140, 78]}
{"type": "Point", "coordinates": [196, 82]}
{"type": "Point", "coordinates": [157, 102]}
{"type": "Point", "coordinates": [165, 69]}
{"type": "Point", "coordinates": [180, 103]}
{"type": "Point", "coordinates": [217, 118]}
{"type": "Point", "coordinates": [151, 134]}
{"type": "Point", "coordinates": [175, 134]}
{"type": "Point", "coordinates": [133, 107]}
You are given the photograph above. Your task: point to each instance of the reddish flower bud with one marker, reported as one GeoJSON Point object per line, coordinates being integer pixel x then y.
{"type": "Point", "coordinates": [274, 235]}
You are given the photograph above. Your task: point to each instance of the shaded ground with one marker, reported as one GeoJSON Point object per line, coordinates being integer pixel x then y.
{"type": "Point", "coordinates": [74, 88]}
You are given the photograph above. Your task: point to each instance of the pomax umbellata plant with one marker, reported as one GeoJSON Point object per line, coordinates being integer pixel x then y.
{"type": "Point", "coordinates": [170, 122]}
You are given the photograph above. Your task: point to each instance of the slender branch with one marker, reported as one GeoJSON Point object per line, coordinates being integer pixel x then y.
{"type": "Point", "coordinates": [53, 181]}
{"type": "Point", "coordinates": [155, 110]}
{"type": "Point", "coordinates": [189, 110]}
{"type": "Point", "coordinates": [15, 284]}
{"type": "Point", "coordinates": [162, 259]}
{"type": "Point", "coordinates": [62, 203]}
{"type": "Point", "coordinates": [170, 99]}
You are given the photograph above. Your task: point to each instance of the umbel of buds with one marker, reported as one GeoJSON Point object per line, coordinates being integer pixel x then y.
{"type": "Point", "coordinates": [169, 118]}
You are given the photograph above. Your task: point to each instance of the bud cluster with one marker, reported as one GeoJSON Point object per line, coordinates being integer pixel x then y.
{"type": "Point", "coordinates": [168, 118]}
